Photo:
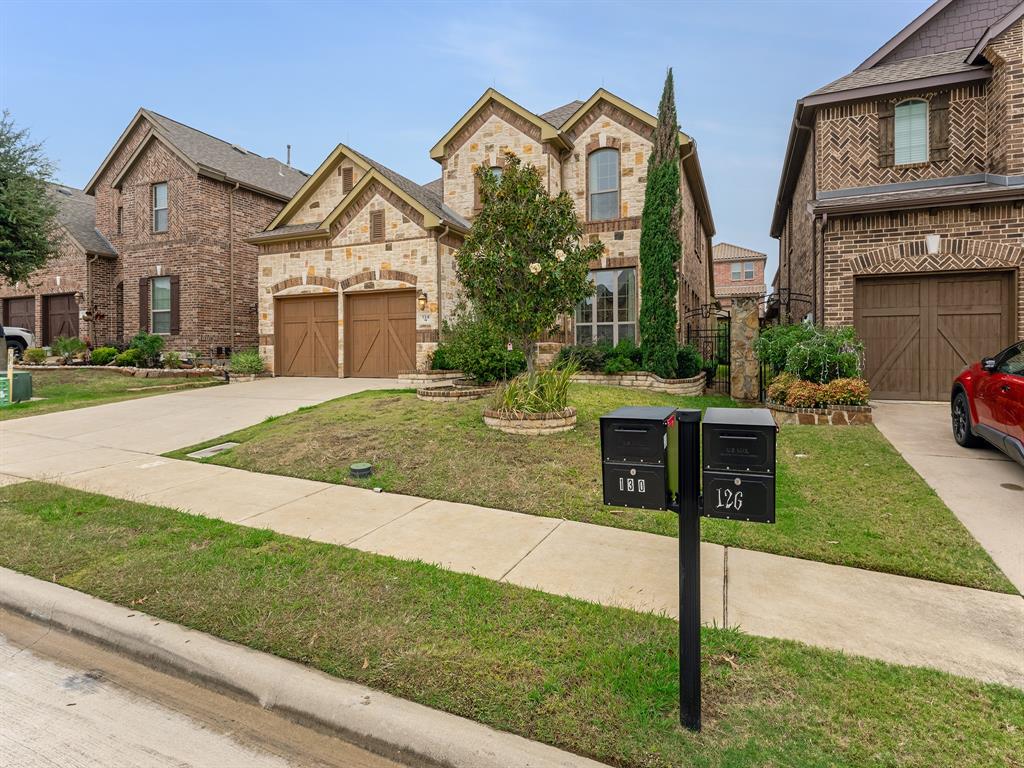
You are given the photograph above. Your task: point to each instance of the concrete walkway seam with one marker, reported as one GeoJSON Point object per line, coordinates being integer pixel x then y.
{"type": "Point", "coordinates": [411, 733]}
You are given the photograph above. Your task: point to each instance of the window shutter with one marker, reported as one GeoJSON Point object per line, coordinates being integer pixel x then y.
{"type": "Point", "coordinates": [376, 226]}
{"type": "Point", "coordinates": [346, 180]}
{"type": "Point", "coordinates": [938, 127]}
{"type": "Point", "coordinates": [175, 305]}
{"type": "Point", "coordinates": [886, 143]}
{"type": "Point", "coordinates": [143, 303]}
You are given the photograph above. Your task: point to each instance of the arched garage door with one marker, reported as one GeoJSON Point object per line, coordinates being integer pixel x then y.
{"type": "Point", "coordinates": [306, 335]}
{"type": "Point", "coordinates": [380, 333]}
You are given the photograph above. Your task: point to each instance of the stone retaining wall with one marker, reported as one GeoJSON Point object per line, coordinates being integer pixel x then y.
{"type": "Point", "coordinates": [531, 423]}
{"type": "Point", "coordinates": [428, 378]}
{"type": "Point", "coordinates": [447, 394]}
{"type": "Point", "coordinates": [642, 380]}
{"type": "Point", "coordinates": [836, 414]}
{"type": "Point", "coordinates": [141, 373]}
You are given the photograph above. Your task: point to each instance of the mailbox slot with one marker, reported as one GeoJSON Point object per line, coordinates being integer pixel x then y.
{"type": "Point", "coordinates": [639, 452]}
{"type": "Point", "coordinates": [739, 496]}
{"type": "Point", "coordinates": [739, 464]}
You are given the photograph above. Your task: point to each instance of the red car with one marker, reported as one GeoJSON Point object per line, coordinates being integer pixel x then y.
{"type": "Point", "coordinates": [988, 403]}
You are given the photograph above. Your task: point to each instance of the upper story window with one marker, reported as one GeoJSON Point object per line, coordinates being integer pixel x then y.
{"type": "Point", "coordinates": [910, 132]}
{"type": "Point", "coordinates": [160, 207]}
{"type": "Point", "coordinates": [742, 270]}
{"type": "Point", "coordinates": [603, 184]}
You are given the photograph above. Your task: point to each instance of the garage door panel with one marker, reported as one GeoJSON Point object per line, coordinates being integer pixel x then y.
{"type": "Point", "coordinates": [60, 317]}
{"type": "Point", "coordinates": [20, 313]}
{"type": "Point", "coordinates": [307, 336]}
{"type": "Point", "coordinates": [960, 319]}
{"type": "Point", "coordinates": [380, 333]}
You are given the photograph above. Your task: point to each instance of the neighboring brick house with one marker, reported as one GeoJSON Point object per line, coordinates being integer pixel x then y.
{"type": "Point", "coordinates": [738, 272]}
{"type": "Point", "coordinates": [172, 206]}
{"type": "Point", "coordinates": [371, 252]}
{"type": "Point", "coordinates": [901, 204]}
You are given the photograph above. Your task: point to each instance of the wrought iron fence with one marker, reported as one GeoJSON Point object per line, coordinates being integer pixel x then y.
{"type": "Point", "coordinates": [707, 330]}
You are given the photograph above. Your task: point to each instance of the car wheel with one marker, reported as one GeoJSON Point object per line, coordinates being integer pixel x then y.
{"type": "Point", "coordinates": [961, 413]}
{"type": "Point", "coordinates": [19, 349]}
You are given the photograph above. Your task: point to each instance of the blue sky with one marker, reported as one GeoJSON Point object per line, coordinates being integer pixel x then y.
{"type": "Point", "coordinates": [391, 78]}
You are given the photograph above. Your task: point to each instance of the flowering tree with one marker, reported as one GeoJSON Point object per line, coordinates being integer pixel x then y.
{"type": "Point", "coordinates": [522, 264]}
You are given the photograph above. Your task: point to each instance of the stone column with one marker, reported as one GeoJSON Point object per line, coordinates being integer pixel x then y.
{"type": "Point", "coordinates": [743, 366]}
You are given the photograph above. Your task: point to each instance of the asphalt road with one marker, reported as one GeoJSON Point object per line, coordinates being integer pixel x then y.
{"type": "Point", "coordinates": [68, 703]}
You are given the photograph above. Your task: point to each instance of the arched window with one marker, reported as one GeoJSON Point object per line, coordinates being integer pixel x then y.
{"type": "Point", "coordinates": [496, 172]}
{"type": "Point", "coordinates": [603, 184]}
{"type": "Point", "coordinates": [910, 133]}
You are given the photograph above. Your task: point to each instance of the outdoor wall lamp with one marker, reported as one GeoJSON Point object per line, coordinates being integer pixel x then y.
{"type": "Point", "coordinates": [421, 300]}
{"type": "Point", "coordinates": [932, 244]}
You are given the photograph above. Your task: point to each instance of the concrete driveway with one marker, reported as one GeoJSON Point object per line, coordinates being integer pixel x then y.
{"type": "Point", "coordinates": [982, 486]}
{"type": "Point", "coordinates": [155, 425]}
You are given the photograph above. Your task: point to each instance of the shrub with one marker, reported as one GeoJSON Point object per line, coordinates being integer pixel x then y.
{"type": "Point", "coordinates": [618, 364]}
{"type": "Point", "coordinates": [67, 347]}
{"type": "Point", "coordinates": [688, 362]}
{"type": "Point", "coordinates": [830, 353]}
{"type": "Point", "coordinates": [440, 360]}
{"type": "Point", "coordinates": [102, 355]}
{"type": "Point", "coordinates": [34, 356]}
{"type": "Point", "coordinates": [774, 342]}
{"type": "Point", "coordinates": [624, 357]}
{"type": "Point", "coordinates": [248, 361]}
{"type": "Point", "coordinates": [804, 394]}
{"type": "Point", "coordinates": [586, 357]}
{"type": "Point", "coordinates": [149, 346]}
{"type": "Point", "coordinates": [536, 392]}
{"type": "Point", "coordinates": [130, 358]}
{"type": "Point", "coordinates": [778, 389]}
{"type": "Point", "coordinates": [172, 360]}
{"type": "Point", "coordinates": [846, 392]}
{"type": "Point", "coordinates": [474, 346]}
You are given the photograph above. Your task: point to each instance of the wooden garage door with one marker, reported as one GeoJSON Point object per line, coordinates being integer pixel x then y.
{"type": "Point", "coordinates": [20, 313]}
{"type": "Point", "coordinates": [919, 332]}
{"type": "Point", "coordinates": [380, 333]}
{"type": "Point", "coordinates": [60, 317]}
{"type": "Point", "coordinates": [306, 336]}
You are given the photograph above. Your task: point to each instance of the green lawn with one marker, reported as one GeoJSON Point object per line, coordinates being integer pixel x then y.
{"type": "Point", "coordinates": [844, 494]}
{"type": "Point", "coordinates": [62, 389]}
{"type": "Point", "coordinates": [599, 681]}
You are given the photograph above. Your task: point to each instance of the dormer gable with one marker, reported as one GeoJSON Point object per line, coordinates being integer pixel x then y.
{"type": "Point", "coordinates": [323, 191]}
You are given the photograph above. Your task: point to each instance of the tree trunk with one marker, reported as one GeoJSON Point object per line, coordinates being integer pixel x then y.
{"type": "Point", "coordinates": [528, 350]}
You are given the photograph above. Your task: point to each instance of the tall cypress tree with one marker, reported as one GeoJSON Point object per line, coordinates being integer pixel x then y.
{"type": "Point", "coordinates": [659, 242]}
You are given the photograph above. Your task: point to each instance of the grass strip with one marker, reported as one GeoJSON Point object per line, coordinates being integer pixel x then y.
{"type": "Point", "coordinates": [598, 681]}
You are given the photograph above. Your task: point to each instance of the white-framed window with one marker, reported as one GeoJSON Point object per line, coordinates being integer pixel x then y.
{"type": "Point", "coordinates": [603, 183]}
{"type": "Point", "coordinates": [742, 270]}
{"type": "Point", "coordinates": [748, 270]}
{"type": "Point", "coordinates": [160, 305]}
{"type": "Point", "coordinates": [910, 132]}
{"type": "Point", "coordinates": [160, 207]}
{"type": "Point", "coordinates": [496, 172]}
{"type": "Point", "coordinates": [736, 271]}
{"type": "Point", "coordinates": [610, 314]}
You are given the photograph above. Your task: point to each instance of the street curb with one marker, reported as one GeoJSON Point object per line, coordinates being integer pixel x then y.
{"type": "Point", "coordinates": [411, 733]}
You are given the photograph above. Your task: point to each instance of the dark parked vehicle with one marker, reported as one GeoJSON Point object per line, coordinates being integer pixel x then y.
{"type": "Point", "coordinates": [988, 403]}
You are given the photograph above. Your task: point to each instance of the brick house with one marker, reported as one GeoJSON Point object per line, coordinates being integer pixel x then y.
{"type": "Point", "coordinates": [357, 272]}
{"type": "Point", "coordinates": [901, 203]}
{"type": "Point", "coordinates": [157, 242]}
{"type": "Point", "coordinates": [738, 272]}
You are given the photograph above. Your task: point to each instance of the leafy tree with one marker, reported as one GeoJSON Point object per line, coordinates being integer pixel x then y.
{"type": "Point", "coordinates": [522, 264]}
{"type": "Point", "coordinates": [27, 209]}
{"type": "Point", "coordinates": [659, 242]}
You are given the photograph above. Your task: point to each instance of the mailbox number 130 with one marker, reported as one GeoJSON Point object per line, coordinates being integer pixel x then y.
{"type": "Point", "coordinates": [729, 499]}
{"type": "Point", "coordinates": [629, 484]}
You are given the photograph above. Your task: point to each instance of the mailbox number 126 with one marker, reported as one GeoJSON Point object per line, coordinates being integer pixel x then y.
{"type": "Point", "coordinates": [629, 484]}
{"type": "Point", "coordinates": [729, 499]}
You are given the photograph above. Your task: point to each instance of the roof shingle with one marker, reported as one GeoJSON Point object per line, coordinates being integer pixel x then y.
{"type": "Point", "coordinates": [559, 115]}
{"type": "Point", "coordinates": [77, 214]}
{"type": "Point", "coordinates": [948, 63]}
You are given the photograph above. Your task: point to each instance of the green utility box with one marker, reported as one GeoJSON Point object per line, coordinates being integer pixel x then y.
{"type": "Point", "coordinates": [22, 388]}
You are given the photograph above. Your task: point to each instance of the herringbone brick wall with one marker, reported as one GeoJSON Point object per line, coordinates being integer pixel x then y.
{"type": "Point", "coordinates": [847, 142]}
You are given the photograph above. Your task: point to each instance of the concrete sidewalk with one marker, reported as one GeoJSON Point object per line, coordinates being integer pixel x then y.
{"type": "Point", "coordinates": [982, 486]}
{"type": "Point", "coordinates": [966, 631]}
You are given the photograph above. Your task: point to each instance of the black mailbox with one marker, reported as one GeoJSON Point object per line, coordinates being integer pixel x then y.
{"type": "Point", "coordinates": [738, 458]}
{"type": "Point", "coordinates": [639, 457]}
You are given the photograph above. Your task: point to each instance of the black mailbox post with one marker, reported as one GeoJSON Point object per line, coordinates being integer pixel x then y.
{"type": "Point", "coordinates": [651, 458]}
{"type": "Point", "coordinates": [739, 464]}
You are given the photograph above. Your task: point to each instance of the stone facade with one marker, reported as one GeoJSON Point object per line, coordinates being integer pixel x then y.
{"type": "Point", "coordinates": [744, 370]}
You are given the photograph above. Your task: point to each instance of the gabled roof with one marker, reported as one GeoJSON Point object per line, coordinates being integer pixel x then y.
{"type": "Point", "coordinates": [548, 132]}
{"type": "Point", "coordinates": [425, 200]}
{"type": "Point", "coordinates": [730, 252]}
{"type": "Point", "coordinates": [76, 213]}
{"type": "Point", "coordinates": [559, 115]}
{"type": "Point", "coordinates": [209, 156]}
{"type": "Point", "coordinates": [602, 95]}
{"type": "Point", "coordinates": [901, 73]}
{"type": "Point", "coordinates": [436, 186]}
{"type": "Point", "coordinates": [994, 31]}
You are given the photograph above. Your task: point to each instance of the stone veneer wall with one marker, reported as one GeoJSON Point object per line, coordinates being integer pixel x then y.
{"type": "Point", "coordinates": [691, 387]}
{"type": "Point", "coordinates": [744, 369]}
{"type": "Point", "coordinates": [326, 197]}
{"type": "Point", "coordinates": [834, 415]}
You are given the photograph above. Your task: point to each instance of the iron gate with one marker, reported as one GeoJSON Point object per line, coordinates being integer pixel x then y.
{"type": "Point", "coordinates": [707, 330]}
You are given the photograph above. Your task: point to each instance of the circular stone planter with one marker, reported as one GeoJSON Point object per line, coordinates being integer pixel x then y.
{"type": "Point", "coordinates": [531, 423]}
{"type": "Point", "coordinates": [452, 393]}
